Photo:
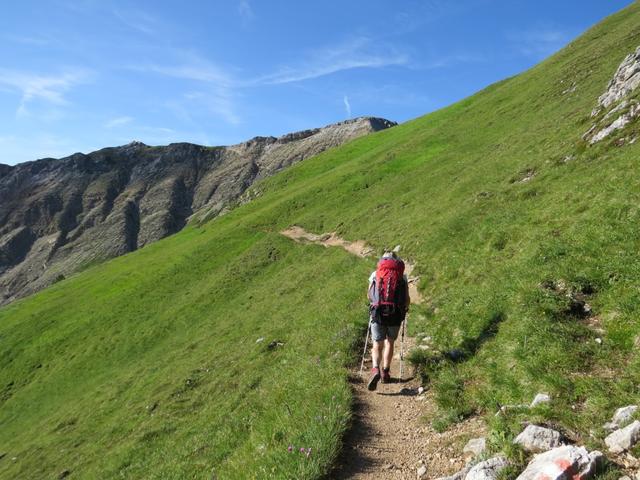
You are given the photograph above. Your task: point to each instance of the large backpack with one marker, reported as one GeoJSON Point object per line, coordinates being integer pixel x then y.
{"type": "Point", "coordinates": [387, 294]}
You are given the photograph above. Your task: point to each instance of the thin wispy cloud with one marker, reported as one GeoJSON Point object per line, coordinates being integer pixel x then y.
{"type": "Point", "coordinates": [451, 60]}
{"type": "Point", "coordinates": [210, 87]}
{"type": "Point", "coordinates": [391, 94]}
{"type": "Point", "coordinates": [222, 86]}
{"type": "Point", "coordinates": [211, 99]}
{"type": "Point", "coordinates": [414, 16]}
{"type": "Point", "coordinates": [49, 88]}
{"type": "Point", "coordinates": [347, 106]}
{"type": "Point", "coordinates": [196, 71]}
{"type": "Point", "coordinates": [138, 20]}
{"type": "Point", "coordinates": [539, 42]}
{"type": "Point", "coordinates": [360, 52]}
{"type": "Point", "coordinates": [118, 122]}
{"type": "Point", "coordinates": [245, 11]}
{"type": "Point", "coordinates": [29, 40]}
{"type": "Point", "coordinates": [219, 102]}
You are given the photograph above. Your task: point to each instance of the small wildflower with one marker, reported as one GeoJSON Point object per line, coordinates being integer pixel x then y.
{"type": "Point", "coordinates": [290, 448]}
{"type": "Point", "coordinates": [302, 449]}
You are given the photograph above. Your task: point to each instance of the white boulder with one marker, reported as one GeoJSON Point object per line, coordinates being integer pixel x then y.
{"type": "Point", "coordinates": [623, 439]}
{"type": "Point", "coordinates": [487, 470]}
{"type": "Point", "coordinates": [624, 415]}
{"type": "Point", "coordinates": [561, 463]}
{"type": "Point", "coordinates": [538, 439]}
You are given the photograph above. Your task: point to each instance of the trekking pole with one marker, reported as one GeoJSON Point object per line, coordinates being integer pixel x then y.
{"type": "Point", "coordinates": [366, 342]}
{"type": "Point", "coordinates": [402, 349]}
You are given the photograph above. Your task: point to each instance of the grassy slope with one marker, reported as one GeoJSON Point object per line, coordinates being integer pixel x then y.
{"type": "Point", "coordinates": [148, 366]}
{"type": "Point", "coordinates": [148, 328]}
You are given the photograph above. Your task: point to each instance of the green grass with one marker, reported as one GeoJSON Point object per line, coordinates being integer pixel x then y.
{"type": "Point", "coordinates": [147, 366]}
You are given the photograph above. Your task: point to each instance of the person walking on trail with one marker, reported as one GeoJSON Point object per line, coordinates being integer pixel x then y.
{"type": "Point", "coordinates": [388, 305]}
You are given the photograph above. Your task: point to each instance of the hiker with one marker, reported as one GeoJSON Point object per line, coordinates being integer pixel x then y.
{"type": "Point", "coordinates": [389, 303]}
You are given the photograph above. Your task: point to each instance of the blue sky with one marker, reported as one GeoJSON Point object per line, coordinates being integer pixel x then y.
{"type": "Point", "coordinates": [78, 75]}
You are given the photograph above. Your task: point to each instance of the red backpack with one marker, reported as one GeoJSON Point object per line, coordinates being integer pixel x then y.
{"type": "Point", "coordinates": [388, 293]}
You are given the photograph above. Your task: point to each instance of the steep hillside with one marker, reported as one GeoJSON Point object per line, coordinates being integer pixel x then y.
{"type": "Point", "coordinates": [58, 216]}
{"type": "Point", "coordinates": [223, 345]}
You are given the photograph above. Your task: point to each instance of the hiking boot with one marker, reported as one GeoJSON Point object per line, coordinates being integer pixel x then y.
{"type": "Point", "coordinates": [375, 378]}
{"type": "Point", "coordinates": [385, 377]}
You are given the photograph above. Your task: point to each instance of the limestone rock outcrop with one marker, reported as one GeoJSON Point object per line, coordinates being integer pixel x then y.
{"type": "Point", "coordinates": [617, 106]}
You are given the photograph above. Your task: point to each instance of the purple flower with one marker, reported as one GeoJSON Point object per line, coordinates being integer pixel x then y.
{"type": "Point", "coordinates": [302, 449]}
{"type": "Point", "coordinates": [290, 448]}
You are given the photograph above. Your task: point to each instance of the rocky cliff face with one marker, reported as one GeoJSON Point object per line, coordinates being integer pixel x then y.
{"type": "Point", "coordinates": [57, 216]}
{"type": "Point", "coordinates": [619, 106]}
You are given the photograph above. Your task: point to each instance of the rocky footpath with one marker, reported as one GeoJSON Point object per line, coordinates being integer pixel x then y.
{"type": "Point", "coordinates": [57, 216]}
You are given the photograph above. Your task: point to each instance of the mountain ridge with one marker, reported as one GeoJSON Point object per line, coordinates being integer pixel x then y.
{"type": "Point", "coordinates": [58, 215]}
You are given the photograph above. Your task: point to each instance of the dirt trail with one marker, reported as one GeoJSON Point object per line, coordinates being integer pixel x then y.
{"type": "Point", "coordinates": [299, 234]}
{"type": "Point", "coordinates": [358, 248]}
{"type": "Point", "coordinates": [390, 438]}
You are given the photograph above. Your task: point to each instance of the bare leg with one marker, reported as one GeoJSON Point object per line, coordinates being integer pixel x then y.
{"type": "Point", "coordinates": [376, 353]}
{"type": "Point", "coordinates": [388, 353]}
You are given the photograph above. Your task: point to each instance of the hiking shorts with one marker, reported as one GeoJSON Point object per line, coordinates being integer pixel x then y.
{"type": "Point", "coordinates": [380, 332]}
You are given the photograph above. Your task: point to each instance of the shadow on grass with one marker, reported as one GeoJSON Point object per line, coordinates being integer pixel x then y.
{"type": "Point", "coordinates": [470, 346]}
{"type": "Point", "coordinates": [428, 363]}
